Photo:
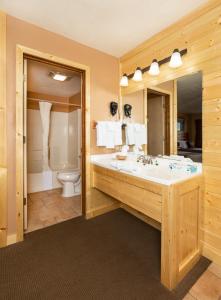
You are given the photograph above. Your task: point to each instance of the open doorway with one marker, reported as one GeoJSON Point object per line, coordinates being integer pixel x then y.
{"type": "Point", "coordinates": [53, 143]}
{"type": "Point", "coordinates": [158, 118]}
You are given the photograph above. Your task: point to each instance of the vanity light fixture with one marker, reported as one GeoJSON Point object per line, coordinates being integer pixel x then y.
{"type": "Point", "coordinates": [124, 80]}
{"type": "Point", "coordinates": [154, 68]}
{"type": "Point", "coordinates": [175, 60]}
{"type": "Point", "coordinates": [59, 76]}
{"type": "Point", "coordinates": [138, 75]}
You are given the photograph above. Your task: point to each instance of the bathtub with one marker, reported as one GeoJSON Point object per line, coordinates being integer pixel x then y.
{"type": "Point", "coordinates": [165, 171]}
{"type": "Point", "coordinates": [36, 182]}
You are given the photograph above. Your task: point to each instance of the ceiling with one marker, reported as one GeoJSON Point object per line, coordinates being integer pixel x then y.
{"type": "Point", "coordinates": [38, 80]}
{"type": "Point", "coordinates": [189, 94]}
{"type": "Point", "coordinates": [111, 26]}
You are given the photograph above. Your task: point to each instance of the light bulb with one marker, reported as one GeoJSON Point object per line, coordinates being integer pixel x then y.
{"type": "Point", "coordinates": [175, 60]}
{"type": "Point", "coordinates": [154, 68]}
{"type": "Point", "coordinates": [124, 80]}
{"type": "Point", "coordinates": [59, 77]}
{"type": "Point", "coordinates": [138, 75]}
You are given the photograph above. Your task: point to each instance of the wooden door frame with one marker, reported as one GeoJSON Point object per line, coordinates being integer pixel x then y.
{"type": "Point", "coordinates": [21, 51]}
{"type": "Point", "coordinates": [172, 113]}
{"type": "Point", "coordinates": [3, 135]}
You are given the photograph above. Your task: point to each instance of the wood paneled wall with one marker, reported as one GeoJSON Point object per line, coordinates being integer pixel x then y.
{"type": "Point", "coordinates": [200, 33]}
{"type": "Point", "coordinates": [3, 141]}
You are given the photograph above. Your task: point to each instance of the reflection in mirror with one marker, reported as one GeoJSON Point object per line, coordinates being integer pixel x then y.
{"type": "Point", "coordinates": [172, 112]}
{"type": "Point", "coordinates": [159, 102]}
{"type": "Point", "coordinates": [189, 116]}
{"type": "Point", "coordinates": [136, 101]}
{"type": "Point", "coordinates": [158, 111]}
{"type": "Point", "coordinates": [131, 135]}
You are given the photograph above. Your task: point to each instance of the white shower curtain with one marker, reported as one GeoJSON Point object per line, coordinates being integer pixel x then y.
{"type": "Point", "coordinates": [45, 108]}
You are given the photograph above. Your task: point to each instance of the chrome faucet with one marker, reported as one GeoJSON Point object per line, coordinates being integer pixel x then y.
{"type": "Point", "coordinates": [145, 159]}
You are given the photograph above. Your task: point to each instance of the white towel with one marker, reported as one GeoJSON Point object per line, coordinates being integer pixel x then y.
{"type": "Point", "coordinates": [101, 133]}
{"type": "Point", "coordinates": [109, 134]}
{"type": "Point", "coordinates": [129, 131]}
{"type": "Point", "coordinates": [140, 134]}
{"type": "Point", "coordinates": [128, 167]}
{"type": "Point", "coordinates": [137, 127]}
{"type": "Point", "coordinates": [136, 134]}
{"type": "Point", "coordinates": [118, 133]}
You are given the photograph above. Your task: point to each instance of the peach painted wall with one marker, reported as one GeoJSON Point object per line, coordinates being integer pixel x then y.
{"type": "Point", "coordinates": [137, 101]}
{"type": "Point", "coordinates": [104, 84]}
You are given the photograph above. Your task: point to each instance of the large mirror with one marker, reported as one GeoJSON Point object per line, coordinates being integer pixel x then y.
{"type": "Point", "coordinates": [172, 113]}
{"type": "Point", "coordinates": [189, 116]}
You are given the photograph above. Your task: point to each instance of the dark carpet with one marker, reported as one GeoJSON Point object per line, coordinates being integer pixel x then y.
{"type": "Point", "coordinates": [113, 256]}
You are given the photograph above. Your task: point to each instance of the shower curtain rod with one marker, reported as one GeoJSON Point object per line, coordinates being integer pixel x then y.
{"type": "Point", "coordinates": [52, 101]}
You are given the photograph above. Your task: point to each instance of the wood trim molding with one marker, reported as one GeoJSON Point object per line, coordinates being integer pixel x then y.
{"type": "Point", "coordinates": [102, 210]}
{"type": "Point", "coordinates": [11, 239]}
{"type": "Point", "coordinates": [3, 136]}
{"type": "Point", "coordinates": [174, 112]}
{"type": "Point", "coordinates": [20, 52]}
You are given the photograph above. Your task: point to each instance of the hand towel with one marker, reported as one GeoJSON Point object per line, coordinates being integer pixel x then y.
{"type": "Point", "coordinates": [109, 134]}
{"type": "Point", "coordinates": [101, 133]}
{"type": "Point", "coordinates": [140, 134]}
{"type": "Point", "coordinates": [118, 133]}
{"type": "Point", "coordinates": [124, 167]}
{"type": "Point", "coordinates": [129, 131]}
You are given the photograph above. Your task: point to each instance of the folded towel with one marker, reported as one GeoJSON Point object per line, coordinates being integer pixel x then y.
{"type": "Point", "coordinates": [129, 131]}
{"type": "Point", "coordinates": [136, 134]}
{"type": "Point", "coordinates": [138, 127]}
{"type": "Point", "coordinates": [101, 133]}
{"type": "Point", "coordinates": [140, 134]}
{"type": "Point", "coordinates": [109, 134]}
{"type": "Point", "coordinates": [110, 126]}
{"type": "Point", "coordinates": [118, 133]}
{"type": "Point", "coordinates": [124, 167]}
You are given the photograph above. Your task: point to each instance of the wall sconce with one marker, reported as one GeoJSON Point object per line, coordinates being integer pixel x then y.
{"type": "Point", "coordinates": [154, 68]}
{"type": "Point", "coordinates": [124, 80]}
{"type": "Point", "coordinates": [175, 60]}
{"type": "Point", "coordinates": [138, 75]}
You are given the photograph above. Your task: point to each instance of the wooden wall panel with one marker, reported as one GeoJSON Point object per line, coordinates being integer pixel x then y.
{"type": "Point", "coordinates": [3, 141]}
{"type": "Point", "coordinates": [188, 224]}
{"type": "Point", "coordinates": [200, 33]}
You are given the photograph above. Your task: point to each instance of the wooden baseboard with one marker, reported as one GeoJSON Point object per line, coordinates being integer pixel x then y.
{"type": "Point", "coordinates": [142, 217]}
{"type": "Point", "coordinates": [11, 239]}
{"type": "Point", "coordinates": [101, 210]}
{"type": "Point", "coordinates": [211, 253]}
{"type": "Point", "coordinates": [188, 264]}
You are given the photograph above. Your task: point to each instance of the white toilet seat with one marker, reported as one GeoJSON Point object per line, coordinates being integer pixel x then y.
{"type": "Point", "coordinates": [69, 179]}
{"type": "Point", "coordinates": [68, 175]}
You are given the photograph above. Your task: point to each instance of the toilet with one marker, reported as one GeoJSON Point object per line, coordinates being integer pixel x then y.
{"type": "Point", "coordinates": [70, 181]}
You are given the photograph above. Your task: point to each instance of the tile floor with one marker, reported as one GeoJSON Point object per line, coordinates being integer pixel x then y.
{"type": "Point", "coordinates": [49, 207]}
{"type": "Point", "coordinates": [208, 286]}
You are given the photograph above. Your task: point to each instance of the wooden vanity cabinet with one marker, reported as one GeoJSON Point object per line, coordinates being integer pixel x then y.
{"type": "Point", "coordinates": [176, 207]}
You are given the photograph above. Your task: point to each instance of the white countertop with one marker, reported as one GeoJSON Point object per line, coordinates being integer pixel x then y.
{"type": "Point", "coordinates": [160, 173]}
